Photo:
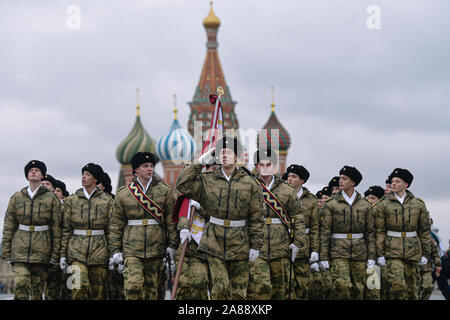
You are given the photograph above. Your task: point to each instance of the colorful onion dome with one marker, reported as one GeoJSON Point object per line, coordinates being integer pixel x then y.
{"type": "Point", "coordinates": [175, 145]}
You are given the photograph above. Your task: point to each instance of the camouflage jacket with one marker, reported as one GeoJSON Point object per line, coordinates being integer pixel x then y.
{"type": "Point", "coordinates": [141, 241]}
{"type": "Point", "coordinates": [239, 199]}
{"type": "Point", "coordinates": [276, 236]}
{"type": "Point", "coordinates": [83, 214]}
{"type": "Point", "coordinates": [391, 215]}
{"type": "Point", "coordinates": [337, 216]}
{"type": "Point", "coordinates": [311, 213]}
{"type": "Point", "coordinates": [32, 247]}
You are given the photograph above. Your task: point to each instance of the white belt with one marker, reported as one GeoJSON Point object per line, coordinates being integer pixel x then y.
{"type": "Point", "coordinates": [33, 228]}
{"type": "Point", "coordinates": [273, 221]}
{"type": "Point", "coordinates": [402, 234]}
{"type": "Point", "coordinates": [347, 235]}
{"type": "Point", "coordinates": [227, 223]}
{"type": "Point", "coordinates": [143, 222]}
{"type": "Point", "coordinates": [79, 232]}
{"type": "Point", "coordinates": [306, 230]}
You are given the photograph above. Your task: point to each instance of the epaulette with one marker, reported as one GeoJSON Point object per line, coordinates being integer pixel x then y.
{"type": "Point", "coordinates": [166, 184]}
{"type": "Point", "coordinates": [122, 187]}
{"type": "Point", "coordinates": [330, 198]}
{"type": "Point", "coordinates": [109, 197]}
{"type": "Point", "coordinates": [287, 183]}
{"type": "Point", "coordinates": [420, 199]}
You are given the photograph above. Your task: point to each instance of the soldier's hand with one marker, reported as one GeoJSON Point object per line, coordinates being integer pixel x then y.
{"type": "Point", "coordinates": [314, 257]}
{"type": "Point", "coordinates": [370, 264]}
{"type": "Point", "coordinates": [8, 262]}
{"type": "Point", "coordinates": [294, 249]}
{"type": "Point", "coordinates": [423, 261]}
{"type": "Point", "coordinates": [120, 268]}
{"type": "Point", "coordinates": [438, 271]}
{"type": "Point", "coordinates": [111, 264]}
{"type": "Point", "coordinates": [315, 267]}
{"type": "Point", "coordinates": [118, 258]}
{"type": "Point", "coordinates": [185, 234]}
{"type": "Point", "coordinates": [206, 157]}
{"type": "Point", "coordinates": [62, 264]}
{"type": "Point", "coordinates": [194, 203]}
{"type": "Point", "coordinates": [381, 261]}
{"type": "Point", "coordinates": [324, 266]}
{"type": "Point", "coordinates": [171, 253]}
{"type": "Point", "coordinates": [253, 255]}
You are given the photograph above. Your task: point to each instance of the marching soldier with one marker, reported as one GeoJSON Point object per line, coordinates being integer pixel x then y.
{"type": "Point", "coordinates": [403, 237]}
{"type": "Point", "coordinates": [388, 185]}
{"type": "Point", "coordinates": [32, 224]}
{"type": "Point", "coordinates": [60, 190]}
{"type": "Point", "coordinates": [347, 237]}
{"type": "Point", "coordinates": [374, 194]}
{"type": "Point", "coordinates": [85, 233]}
{"type": "Point", "coordinates": [234, 233]}
{"type": "Point", "coordinates": [142, 229]}
{"type": "Point", "coordinates": [426, 277]}
{"type": "Point", "coordinates": [270, 273]}
{"type": "Point", "coordinates": [49, 182]}
{"type": "Point", "coordinates": [297, 176]}
{"type": "Point", "coordinates": [334, 185]}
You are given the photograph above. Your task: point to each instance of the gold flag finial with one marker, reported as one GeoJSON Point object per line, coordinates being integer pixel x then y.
{"type": "Point", "coordinates": [272, 88]}
{"type": "Point", "coordinates": [137, 102]}
{"type": "Point", "coordinates": [175, 110]}
{"type": "Point", "coordinates": [220, 91]}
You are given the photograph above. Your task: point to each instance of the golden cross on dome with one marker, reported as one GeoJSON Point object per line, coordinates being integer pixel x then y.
{"type": "Point", "coordinates": [137, 102]}
{"type": "Point", "coordinates": [272, 89]}
{"type": "Point", "coordinates": [175, 110]}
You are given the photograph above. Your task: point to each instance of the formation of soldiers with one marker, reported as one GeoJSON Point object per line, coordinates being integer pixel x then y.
{"type": "Point", "coordinates": [250, 236]}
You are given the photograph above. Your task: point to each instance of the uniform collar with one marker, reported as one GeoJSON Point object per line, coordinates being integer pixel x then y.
{"type": "Point", "coordinates": [300, 193]}
{"type": "Point", "coordinates": [402, 199]}
{"type": "Point", "coordinates": [351, 199]}
{"type": "Point", "coordinates": [145, 188]}
{"type": "Point", "coordinates": [32, 193]}
{"type": "Point", "coordinates": [86, 194]}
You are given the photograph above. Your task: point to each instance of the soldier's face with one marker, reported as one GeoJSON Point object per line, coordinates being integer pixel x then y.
{"type": "Point", "coordinates": [35, 174]}
{"type": "Point", "coordinates": [335, 190]}
{"type": "Point", "coordinates": [227, 157]}
{"type": "Point", "coordinates": [345, 183]}
{"type": "Point", "coordinates": [145, 170]}
{"type": "Point", "coordinates": [88, 180]}
{"type": "Point", "coordinates": [265, 168]}
{"type": "Point", "coordinates": [48, 185]}
{"type": "Point", "coordinates": [320, 202]}
{"type": "Point", "coordinates": [295, 180]}
{"type": "Point", "coordinates": [59, 193]}
{"type": "Point", "coordinates": [372, 198]}
{"type": "Point", "coordinates": [398, 185]}
{"type": "Point", "coordinates": [388, 188]}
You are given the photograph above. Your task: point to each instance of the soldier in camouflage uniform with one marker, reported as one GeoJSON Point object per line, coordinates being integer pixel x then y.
{"type": "Point", "coordinates": [234, 233]}
{"type": "Point", "coordinates": [270, 273]}
{"type": "Point", "coordinates": [308, 257]}
{"type": "Point", "coordinates": [139, 239]}
{"type": "Point", "coordinates": [426, 278]}
{"type": "Point", "coordinates": [347, 237]}
{"type": "Point", "coordinates": [31, 234]}
{"type": "Point", "coordinates": [85, 233]}
{"type": "Point", "coordinates": [403, 237]}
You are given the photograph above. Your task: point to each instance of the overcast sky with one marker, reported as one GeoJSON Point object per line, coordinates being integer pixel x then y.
{"type": "Point", "coordinates": [348, 95]}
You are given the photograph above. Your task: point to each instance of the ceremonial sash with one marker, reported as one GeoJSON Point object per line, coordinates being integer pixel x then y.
{"type": "Point", "coordinates": [150, 206]}
{"type": "Point", "coordinates": [274, 204]}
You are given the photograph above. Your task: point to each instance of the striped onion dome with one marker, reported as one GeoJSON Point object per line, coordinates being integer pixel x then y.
{"type": "Point", "coordinates": [272, 124]}
{"type": "Point", "coordinates": [138, 140]}
{"type": "Point", "coordinates": [175, 145]}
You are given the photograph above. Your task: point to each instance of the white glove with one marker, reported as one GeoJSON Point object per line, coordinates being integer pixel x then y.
{"type": "Point", "coordinates": [324, 266]}
{"type": "Point", "coordinates": [381, 262]}
{"type": "Point", "coordinates": [423, 261]}
{"type": "Point", "coordinates": [185, 234]}
{"type": "Point", "coordinates": [253, 255]}
{"type": "Point", "coordinates": [171, 253]}
{"type": "Point", "coordinates": [314, 257]}
{"type": "Point", "coordinates": [206, 157]}
{"type": "Point", "coordinates": [370, 263]}
{"type": "Point", "coordinates": [8, 262]}
{"type": "Point", "coordinates": [111, 264]}
{"type": "Point", "coordinates": [315, 267]}
{"type": "Point", "coordinates": [294, 249]}
{"type": "Point", "coordinates": [194, 203]}
{"type": "Point", "coordinates": [120, 268]}
{"type": "Point", "coordinates": [63, 264]}
{"type": "Point", "coordinates": [118, 258]}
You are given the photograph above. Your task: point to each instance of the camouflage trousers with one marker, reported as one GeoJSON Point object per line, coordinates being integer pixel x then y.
{"type": "Point", "coordinates": [349, 279]}
{"type": "Point", "coordinates": [383, 292]}
{"type": "Point", "coordinates": [229, 279]}
{"type": "Point", "coordinates": [53, 283]}
{"type": "Point", "coordinates": [66, 293]}
{"type": "Point", "coordinates": [302, 275]}
{"type": "Point", "coordinates": [91, 281]}
{"type": "Point", "coordinates": [193, 283]}
{"type": "Point", "coordinates": [315, 291]}
{"type": "Point", "coordinates": [268, 280]}
{"type": "Point", "coordinates": [29, 280]}
{"type": "Point", "coordinates": [142, 278]}
{"type": "Point", "coordinates": [426, 284]}
{"type": "Point", "coordinates": [402, 279]}
{"type": "Point", "coordinates": [114, 286]}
